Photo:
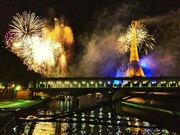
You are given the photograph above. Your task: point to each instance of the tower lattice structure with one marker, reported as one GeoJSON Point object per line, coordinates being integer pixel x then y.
{"type": "Point", "coordinates": [134, 69]}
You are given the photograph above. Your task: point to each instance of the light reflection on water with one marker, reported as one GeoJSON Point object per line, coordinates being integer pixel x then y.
{"type": "Point", "coordinates": [58, 106]}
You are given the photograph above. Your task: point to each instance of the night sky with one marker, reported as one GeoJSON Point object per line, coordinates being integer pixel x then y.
{"type": "Point", "coordinates": [85, 17]}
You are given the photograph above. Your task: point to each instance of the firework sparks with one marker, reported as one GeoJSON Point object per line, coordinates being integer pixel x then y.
{"type": "Point", "coordinates": [63, 65]}
{"type": "Point", "coordinates": [9, 38]}
{"type": "Point", "coordinates": [64, 35]}
{"type": "Point", "coordinates": [68, 36]}
{"type": "Point", "coordinates": [41, 49]}
{"type": "Point", "coordinates": [26, 25]}
{"type": "Point", "coordinates": [38, 54]}
{"type": "Point", "coordinates": [60, 33]}
{"type": "Point", "coordinates": [122, 47]}
{"type": "Point", "coordinates": [144, 40]}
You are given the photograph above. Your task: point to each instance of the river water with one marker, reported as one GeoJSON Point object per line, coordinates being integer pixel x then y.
{"type": "Point", "coordinates": [85, 123]}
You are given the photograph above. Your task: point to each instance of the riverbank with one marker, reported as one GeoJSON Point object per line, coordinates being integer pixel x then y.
{"type": "Point", "coordinates": [12, 109]}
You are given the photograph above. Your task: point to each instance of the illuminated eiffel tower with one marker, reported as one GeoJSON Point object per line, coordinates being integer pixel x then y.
{"type": "Point", "coordinates": [134, 69]}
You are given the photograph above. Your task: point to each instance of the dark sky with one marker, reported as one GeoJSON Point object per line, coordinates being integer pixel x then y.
{"type": "Point", "coordinates": [79, 15]}
{"type": "Point", "coordinates": [77, 12]}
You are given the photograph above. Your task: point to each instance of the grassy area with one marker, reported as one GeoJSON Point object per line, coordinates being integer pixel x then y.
{"type": "Point", "coordinates": [18, 103]}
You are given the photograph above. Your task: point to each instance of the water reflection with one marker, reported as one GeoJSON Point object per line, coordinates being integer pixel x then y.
{"type": "Point", "coordinates": [87, 123]}
{"type": "Point", "coordinates": [44, 128]}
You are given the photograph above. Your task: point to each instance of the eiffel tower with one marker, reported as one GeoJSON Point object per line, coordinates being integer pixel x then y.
{"type": "Point", "coordinates": [134, 69]}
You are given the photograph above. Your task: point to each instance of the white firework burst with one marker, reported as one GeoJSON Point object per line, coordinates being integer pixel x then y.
{"type": "Point", "coordinates": [144, 40]}
{"type": "Point", "coordinates": [122, 46]}
{"type": "Point", "coordinates": [26, 25]}
{"type": "Point", "coordinates": [38, 54]}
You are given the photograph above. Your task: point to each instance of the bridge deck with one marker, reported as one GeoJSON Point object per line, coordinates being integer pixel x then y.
{"type": "Point", "coordinates": [107, 82]}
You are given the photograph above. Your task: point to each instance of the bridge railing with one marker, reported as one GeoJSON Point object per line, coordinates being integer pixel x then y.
{"type": "Point", "coordinates": [143, 82]}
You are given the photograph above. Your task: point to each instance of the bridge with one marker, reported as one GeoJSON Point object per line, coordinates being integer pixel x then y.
{"type": "Point", "coordinates": [106, 83]}
{"type": "Point", "coordinates": [154, 99]}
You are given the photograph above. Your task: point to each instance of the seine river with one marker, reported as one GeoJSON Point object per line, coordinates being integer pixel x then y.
{"type": "Point", "coordinates": [99, 121]}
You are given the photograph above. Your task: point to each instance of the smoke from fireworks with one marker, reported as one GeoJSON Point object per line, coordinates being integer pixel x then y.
{"type": "Point", "coordinates": [144, 40]}
{"type": "Point", "coordinates": [172, 16]}
{"type": "Point", "coordinates": [165, 57]}
{"type": "Point", "coordinates": [164, 27]}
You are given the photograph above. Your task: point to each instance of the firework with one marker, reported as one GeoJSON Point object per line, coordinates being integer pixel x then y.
{"type": "Point", "coordinates": [26, 25]}
{"type": "Point", "coordinates": [17, 47]}
{"type": "Point", "coordinates": [121, 46]}
{"type": "Point", "coordinates": [43, 53]}
{"type": "Point", "coordinates": [62, 34]}
{"type": "Point", "coordinates": [41, 49]}
{"type": "Point", "coordinates": [38, 54]}
{"type": "Point", "coordinates": [68, 36]}
{"type": "Point", "coordinates": [63, 65]}
{"type": "Point", "coordinates": [9, 39]}
{"type": "Point", "coordinates": [144, 40]}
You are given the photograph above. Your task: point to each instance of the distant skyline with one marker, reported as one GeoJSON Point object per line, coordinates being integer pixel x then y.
{"type": "Point", "coordinates": [83, 16]}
